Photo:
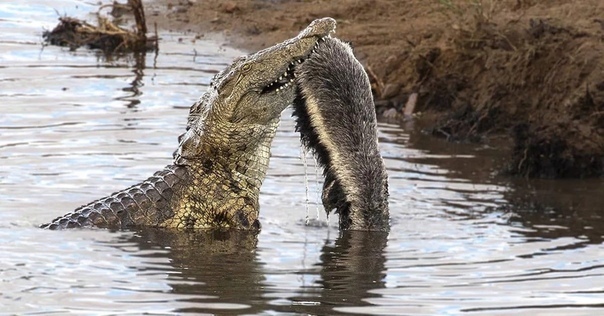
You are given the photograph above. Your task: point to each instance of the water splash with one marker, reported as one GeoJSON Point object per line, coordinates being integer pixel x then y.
{"type": "Point", "coordinates": [318, 190]}
{"type": "Point", "coordinates": [308, 221]}
{"type": "Point", "coordinates": [303, 152]}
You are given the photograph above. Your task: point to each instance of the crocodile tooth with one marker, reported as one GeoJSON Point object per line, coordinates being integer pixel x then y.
{"type": "Point", "coordinates": [285, 74]}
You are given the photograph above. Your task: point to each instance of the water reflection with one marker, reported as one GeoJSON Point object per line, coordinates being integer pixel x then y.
{"type": "Point", "coordinates": [463, 238]}
{"type": "Point", "coordinates": [214, 270]}
{"type": "Point", "coordinates": [221, 270]}
{"type": "Point", "coordinates": [352, 268]}
{"type": "Point", "coordinates": [546, 208]}
{"type": "Point", "coordinates": [138, 68]}
{"type": "Point", "coordinates": [558, 208]}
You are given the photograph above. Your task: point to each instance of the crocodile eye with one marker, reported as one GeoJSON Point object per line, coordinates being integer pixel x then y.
{"type": "Point", "coordinates": [246, 68]}
{"type": "Point", "coordinates": [214, 79]}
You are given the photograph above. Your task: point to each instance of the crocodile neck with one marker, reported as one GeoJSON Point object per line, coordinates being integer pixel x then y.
{"type": "Point", "coordinates": [224, 186]}
{"type": "Point", "coordinates": [214, 191]}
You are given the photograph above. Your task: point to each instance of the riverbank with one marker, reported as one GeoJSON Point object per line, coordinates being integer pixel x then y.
{"type": "Point", "coordinates": [521, 69]}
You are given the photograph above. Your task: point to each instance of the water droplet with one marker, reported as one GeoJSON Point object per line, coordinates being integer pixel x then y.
{"type": "Point", "coordinates": [305, 164]}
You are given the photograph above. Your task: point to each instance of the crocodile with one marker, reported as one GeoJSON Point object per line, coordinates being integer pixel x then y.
{"type": "Point", "coordinates": [222, 158]}
{"type": "Point", "coordinates": [335, 116]}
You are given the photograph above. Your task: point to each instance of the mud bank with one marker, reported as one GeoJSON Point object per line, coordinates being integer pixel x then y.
{"type": "Point", "coordinates": [528, 70]}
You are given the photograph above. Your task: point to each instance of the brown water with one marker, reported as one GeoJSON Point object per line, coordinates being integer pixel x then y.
{"type": "Point", "coordinates": [75, 127]}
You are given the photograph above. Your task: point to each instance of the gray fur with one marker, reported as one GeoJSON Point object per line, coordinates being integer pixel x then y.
{"type": "Point", "coordinates": [336, 118]}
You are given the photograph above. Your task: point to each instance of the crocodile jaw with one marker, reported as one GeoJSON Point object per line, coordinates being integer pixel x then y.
{"type": "Point", "coordinates": [248, 96]}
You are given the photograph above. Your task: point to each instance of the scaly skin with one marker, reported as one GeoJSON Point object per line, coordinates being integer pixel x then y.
{"type": "Point", "coordinates": [223, 156]}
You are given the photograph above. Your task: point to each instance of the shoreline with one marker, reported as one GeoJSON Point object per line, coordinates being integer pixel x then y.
{"type": "Point", "coordinates": [528, 72]}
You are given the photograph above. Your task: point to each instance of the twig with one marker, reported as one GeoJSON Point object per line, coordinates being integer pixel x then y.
{"type": "Point", "coordinates": [139, 18]}
{"type": "Point", "coordinates": [156, 39]}
{"type": "Point", "coordinates": [379, 83]}
{"type": "Point", "coordinates": [410, 105]}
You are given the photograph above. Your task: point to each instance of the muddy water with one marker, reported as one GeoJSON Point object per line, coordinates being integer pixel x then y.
{"type": "Point", "coordinates": [75, 126]}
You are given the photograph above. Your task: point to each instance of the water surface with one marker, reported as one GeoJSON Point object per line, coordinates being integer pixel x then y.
{"type": "Point", "coordinates": [76, 126]}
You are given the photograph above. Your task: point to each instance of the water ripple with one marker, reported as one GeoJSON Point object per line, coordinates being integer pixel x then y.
{"type": "Point", "coordinates": [76, 127]}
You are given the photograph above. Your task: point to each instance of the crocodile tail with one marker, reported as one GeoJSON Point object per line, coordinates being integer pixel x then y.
{"type": "Point", "coordinates": [147, 203]}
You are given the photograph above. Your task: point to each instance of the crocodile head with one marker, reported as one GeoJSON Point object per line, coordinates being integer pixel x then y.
{"type": "Point", "coordinates": [335, 116]}
{"type": "Point", "coordinates": [241, 109]}
{"type": "Point", "coordinates": [226, 147]}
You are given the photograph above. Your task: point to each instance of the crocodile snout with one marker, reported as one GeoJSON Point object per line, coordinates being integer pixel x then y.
{"type": "Point", "coordinates": [319, 27]}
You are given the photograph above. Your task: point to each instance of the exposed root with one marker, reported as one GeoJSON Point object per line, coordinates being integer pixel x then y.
{"type": "Point", "coordinates": [378, 84]}
{"type": "Point", "coordinates": [540, 151]}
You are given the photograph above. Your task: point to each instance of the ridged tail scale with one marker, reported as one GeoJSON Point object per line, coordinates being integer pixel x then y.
{"type": "Point", "coordinates": [145, 203]}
